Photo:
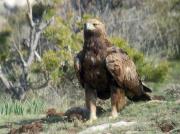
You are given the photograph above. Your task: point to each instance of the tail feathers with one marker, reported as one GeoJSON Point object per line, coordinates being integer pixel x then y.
{"type": "Point", "coordinates": [143, 97]}
{"type": "Point", "coordinates": [146, 89]}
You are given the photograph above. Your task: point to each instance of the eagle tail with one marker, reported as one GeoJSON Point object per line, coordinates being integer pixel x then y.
{"type": "Point", "coordinates": [143, 97]}
{"type": "Point", "coordinates": [146, 89]}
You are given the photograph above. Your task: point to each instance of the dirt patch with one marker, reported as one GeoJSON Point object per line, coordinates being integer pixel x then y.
{"type": "Point", "coordinates": [33, 128]}
{"type": "Point", "coordinates": [52, 112]}
{"type": "Point", "coordinates": [52, 115]}
{"type": "Point", "coordinates": [177, 101]}
{"type": "Point", "coordinates": [166, 126]}
{"type": "Point", "coordinates": [77, 113]}
{"type": "Point", "coordinates": [173, 91]}
{"type": "Point", "coordinates": [74, 113]}
{"type": "Point", "coordinates": [158, 97]}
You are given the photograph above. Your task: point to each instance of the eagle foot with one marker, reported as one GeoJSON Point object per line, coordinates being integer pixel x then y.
{"type": "Point", "coordinates": [91, 120]}
{"type": "Point", "coordinates": [113, 116]}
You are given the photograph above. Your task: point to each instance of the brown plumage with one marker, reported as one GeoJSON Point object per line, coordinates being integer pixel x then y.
{"type": "Point", "coordinates": [106, 71]}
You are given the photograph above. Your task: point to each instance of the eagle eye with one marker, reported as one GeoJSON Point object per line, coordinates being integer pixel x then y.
{"type": "Point", "coordinates": [94, 24]}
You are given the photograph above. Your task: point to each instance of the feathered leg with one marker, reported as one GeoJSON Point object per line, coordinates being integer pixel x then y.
{"type": "Point", "coordinates": [91, 96]}
{"type": "Point", "coordinates": [118, 101]}
{"type": "Point", "coordinates": [121, 101]}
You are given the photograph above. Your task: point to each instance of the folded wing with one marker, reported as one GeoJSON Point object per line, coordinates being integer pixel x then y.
{"type": "Point", "coordinates": [123, 71]}
{"type": "Point", "coordinates": [78, 67]}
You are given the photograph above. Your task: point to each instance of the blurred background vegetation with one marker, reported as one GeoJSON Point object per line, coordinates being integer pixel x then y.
{"type": "Point", "coordinates": [148, 30]}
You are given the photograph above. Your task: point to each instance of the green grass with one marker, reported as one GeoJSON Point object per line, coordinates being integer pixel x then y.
{"type": "Point", "coordinates": [149, 116]}
{"type": "Point", "coordinates": [174, 76]}
{"type": "Point", "coordinates": [15, 107]}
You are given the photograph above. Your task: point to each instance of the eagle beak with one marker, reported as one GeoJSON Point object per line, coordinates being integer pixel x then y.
{"type": "Point", "coordinates": [89, 26]}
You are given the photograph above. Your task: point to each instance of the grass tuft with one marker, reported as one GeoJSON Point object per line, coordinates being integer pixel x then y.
{"type": "Point", "coordinates": [15, 107]}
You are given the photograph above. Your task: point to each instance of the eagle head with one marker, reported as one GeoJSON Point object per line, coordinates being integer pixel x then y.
{"type": "Point", "coordinates": [94, 28]}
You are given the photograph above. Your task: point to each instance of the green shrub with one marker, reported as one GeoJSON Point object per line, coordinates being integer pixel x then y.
{"type": "Point", "coordinates": [155, 73]}
{"type": "Point", "coordinates": [50, 60]}
{"type": "Point", "coordinates": [32, 106]}
{"type": "Point", "coordinates": [52, 64]}
{"type": "Point", "coordinates": [148, 70]}
{"type": "Point", "coordinates": [59, 63]}
{"type": "Point", "coordinates": [4, 44]}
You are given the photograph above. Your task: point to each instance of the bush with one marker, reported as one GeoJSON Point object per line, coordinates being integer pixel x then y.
{"type": "Point", "coordinates": [148, 70]}
{"type": "Point", "coordinates": [50, 60]}
{"type": "Point", "coordinates": [155, 73]}
{"type": "Point", "coordinates": [31, 106]}
{"type": "Point", "coordinates": [4, 46]}
{"type": "Point", "coordinates": [59, 63]}
{"type": "Point", "coordinates": [68, 43]}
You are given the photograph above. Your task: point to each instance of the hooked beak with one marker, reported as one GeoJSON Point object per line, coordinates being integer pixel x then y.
{"type": "Point", "coordinates": [89, 26]}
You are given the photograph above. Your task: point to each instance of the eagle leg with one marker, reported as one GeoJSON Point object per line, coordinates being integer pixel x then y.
{"type": "Point", "coordinates": [91, 96]}
{"type": "Point", "coordinates": [118, 101]}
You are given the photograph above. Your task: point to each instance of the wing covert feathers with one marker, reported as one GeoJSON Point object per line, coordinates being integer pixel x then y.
{"type": "Point", "coordinates": [78, 67]}
{"type": "Point", "coordinates": [123, 71]}
{"type": "Point", "coordinates": [146, 88]}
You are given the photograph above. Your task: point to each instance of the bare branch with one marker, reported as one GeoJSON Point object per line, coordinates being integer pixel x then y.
{"type": "Point", "coordinates": [4, 80]}
{"type": "Point", "coordinates": [33, 48]}
{"type": "Point", "coordinates": [46, 24]}
{"type": "Point", "coordinates": [38, 56]}
{"type": "Point", "coordinates": [31, 36]}
{"type": "Point", "coordinates": [30, 17]}
{"type": "Point", "coordinates": [20, 55]}
{"type": "Point", "coordinates": [9, 86]}
{"type": "Point", "coordinates": [34, 42]}
{"type": "Point", "coordinates": [36, 28]}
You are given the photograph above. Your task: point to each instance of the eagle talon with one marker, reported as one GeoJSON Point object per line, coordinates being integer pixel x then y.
{"type": "Point", "coordinates": [93, 118]}
{"type": "Point", "coordinates": [113, 116]}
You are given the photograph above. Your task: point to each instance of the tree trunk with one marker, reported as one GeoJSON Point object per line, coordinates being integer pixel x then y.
{"type": "Point", "coordinates": [36, 28]}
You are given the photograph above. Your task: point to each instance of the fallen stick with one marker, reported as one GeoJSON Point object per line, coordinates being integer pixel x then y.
{"type": "Point", "coordinates": [105, 126]}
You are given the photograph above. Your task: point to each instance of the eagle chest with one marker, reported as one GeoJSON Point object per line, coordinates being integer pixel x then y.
{"type": "Point", "coordinates": [95, 74]}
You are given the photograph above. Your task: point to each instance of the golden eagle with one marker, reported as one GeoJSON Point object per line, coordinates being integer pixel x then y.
{"type": "Point", "coordinates": [106, 71]}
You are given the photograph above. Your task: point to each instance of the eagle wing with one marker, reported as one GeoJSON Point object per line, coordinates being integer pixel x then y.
{"type": "Point", "coordinates": [78, 67]}
{"type": "Point", "coordinates": [123, 71]}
